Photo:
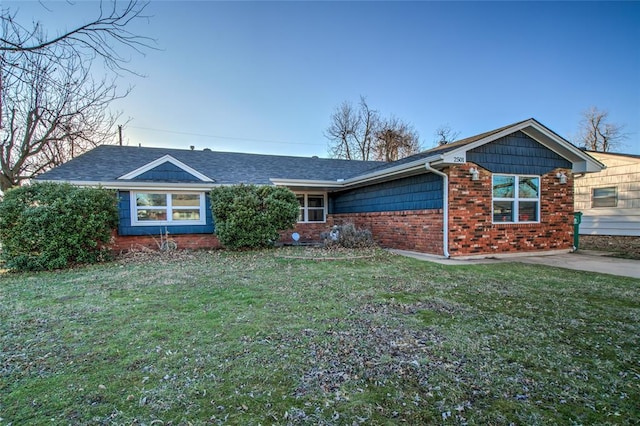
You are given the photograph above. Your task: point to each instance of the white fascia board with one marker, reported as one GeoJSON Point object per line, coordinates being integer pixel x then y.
{"type": "Point", "coordinates": [461, 152]}
{"type": "Point", "coordinates": [392, 171]}
{"type": "Point", "coordinates": [140, 186]}
{"type": "Point", "coordinates": [164, 159]}
{"type": "Point", "coordinates": [582, 161]}
{"type": "Point", "coordinates": [345, 183]}
{"type": "Point", "coordinates": [306, 183]}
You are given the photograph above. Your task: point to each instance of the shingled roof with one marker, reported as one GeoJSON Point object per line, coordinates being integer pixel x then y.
{"type": "Point", "coordinates": [107, 163]}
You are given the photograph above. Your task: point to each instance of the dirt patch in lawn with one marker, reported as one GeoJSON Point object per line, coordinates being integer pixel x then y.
{"type": "Point", "coordinates": [618, 246]}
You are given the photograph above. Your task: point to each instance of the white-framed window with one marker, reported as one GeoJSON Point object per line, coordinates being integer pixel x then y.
{"type": "Point", "coordinates": [516, 198]}
{"type": "Point", "coordinates": [154, 208]}
{"type": "Point", "coordinates": [604, 197]}
{"type": "Point", "coordinates": [313, 207]}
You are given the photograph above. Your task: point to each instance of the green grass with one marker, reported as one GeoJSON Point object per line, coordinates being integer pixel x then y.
{"type": "Point", "coordinates": [256, 338]}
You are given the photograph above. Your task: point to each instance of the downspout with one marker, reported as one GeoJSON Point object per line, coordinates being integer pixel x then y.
{"type": "Point", "coordinates": [445, 208]}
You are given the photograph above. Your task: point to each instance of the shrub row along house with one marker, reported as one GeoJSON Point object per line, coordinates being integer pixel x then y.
{"type": "Point", "coordinates": [504, 191]}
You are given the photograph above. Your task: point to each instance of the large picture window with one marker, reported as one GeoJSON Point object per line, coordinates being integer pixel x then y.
{"type": "Point", "coordinates": [312, 207]}
{"type": "Point", "coordinates": [516, 198]}
{"type": "Point", "coordinates": [167, 208]}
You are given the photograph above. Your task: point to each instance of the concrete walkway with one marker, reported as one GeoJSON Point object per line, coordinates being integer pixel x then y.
{"type": "Point", "coordinates": [582, 260]}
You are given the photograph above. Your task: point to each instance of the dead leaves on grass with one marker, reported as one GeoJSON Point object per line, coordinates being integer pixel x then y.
{"type": "Point", "coordinates": [370, 349]}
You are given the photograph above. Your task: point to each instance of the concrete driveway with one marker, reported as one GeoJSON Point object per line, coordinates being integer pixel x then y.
{"type": "Point", "coordinates": [582, 260]}
{"type": "Point", "coordinates": [587, 260]}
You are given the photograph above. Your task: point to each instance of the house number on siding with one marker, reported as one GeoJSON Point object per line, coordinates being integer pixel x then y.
{"type": "Point", "coordinates": [459, 160]}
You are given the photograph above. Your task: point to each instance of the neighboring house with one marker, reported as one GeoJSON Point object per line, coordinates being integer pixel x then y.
{"type": "Point", "coordinates": [505, 191]}
{"type": "Point", "coordinates": [610, 200]}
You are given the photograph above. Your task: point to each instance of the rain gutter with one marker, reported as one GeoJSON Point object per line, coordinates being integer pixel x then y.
{"type": "Point", "coordinates": [445, 207]}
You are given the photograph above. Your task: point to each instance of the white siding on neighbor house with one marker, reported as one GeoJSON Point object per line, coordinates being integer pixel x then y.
{"type": "Point", "coordinates": [623, 173]}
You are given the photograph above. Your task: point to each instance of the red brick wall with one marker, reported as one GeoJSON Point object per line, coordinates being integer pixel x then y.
{"type": "Point", "coordinates": [309, 232]}
{"type": "Point", "coordinates": [124, 243]}
{"type": "Point", "coordinates": [416, 230]}
{"type": "Point", "coordinates": [471, 230]}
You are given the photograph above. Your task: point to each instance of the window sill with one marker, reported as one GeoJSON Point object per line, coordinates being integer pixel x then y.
{"type": "Point", "coordinates": [165, 223]}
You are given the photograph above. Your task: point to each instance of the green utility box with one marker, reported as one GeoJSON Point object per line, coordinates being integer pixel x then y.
{"type": "Point", "coordinates": [577, 219]}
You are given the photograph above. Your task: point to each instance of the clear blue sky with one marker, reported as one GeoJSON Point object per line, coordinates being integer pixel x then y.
{"type": "Point", "coordinates": [265, 77]}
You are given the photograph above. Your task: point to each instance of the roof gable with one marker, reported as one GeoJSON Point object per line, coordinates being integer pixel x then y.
{"type": "Point", "coordinates": [456, 152]}
{"type": "Point", "coordinates": [517, 153]}
{"type": "Point", "coordinates": [166, 168]}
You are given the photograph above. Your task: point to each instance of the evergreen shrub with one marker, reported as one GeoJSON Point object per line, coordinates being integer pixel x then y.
{"type": "Point", "coordinates": [250, 216]}
{"type": "Point", "coordinates": [49, 226]}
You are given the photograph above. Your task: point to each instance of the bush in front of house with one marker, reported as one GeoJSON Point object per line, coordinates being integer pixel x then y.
{"type": "Point", "coordinates": [49, 226]}
{"type": "Point", "coordinates": [250, 216]}
{"type": "Point", "coordinates": [348, 236]}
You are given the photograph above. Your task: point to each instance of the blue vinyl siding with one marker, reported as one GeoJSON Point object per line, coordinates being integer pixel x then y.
{"type": "Point", "coordinates": [125, 228]}
{"type": "Point", "coordinates": [411, 193]}
{"type": "Point", "coordinates": [167, 172]}
{"type": "Point", "coordinates": [517, 153]}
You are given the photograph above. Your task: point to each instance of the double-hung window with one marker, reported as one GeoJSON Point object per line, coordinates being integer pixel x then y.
{"type": "Point", "coordinates": [516, 198]}
{"type": "Point", "coordinates": [167, 208]}
{"type": "Point", "coordinates": [312, 207]}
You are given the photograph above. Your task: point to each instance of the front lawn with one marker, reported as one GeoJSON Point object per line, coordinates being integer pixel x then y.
{"type": "Point", "coordinates": [261, 338]}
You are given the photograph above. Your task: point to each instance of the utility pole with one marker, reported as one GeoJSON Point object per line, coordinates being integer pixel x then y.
{"type": "Point", "coordinates": [120, 134]}
{"type": "Point", "coordinates": [1, 94]}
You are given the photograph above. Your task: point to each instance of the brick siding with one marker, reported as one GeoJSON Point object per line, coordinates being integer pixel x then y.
{"type": "Point", "coordinates": [417, 230]}
{"type": "Point", "coordinates": [472, 232]}
{"type": "Point", "coordinates": [309, 233]}
{"type": "Point", "coordinates": [124, 243]}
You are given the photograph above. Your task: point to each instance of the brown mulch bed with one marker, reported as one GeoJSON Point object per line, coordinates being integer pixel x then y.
{"type": "Point", "coordinates": [618, 246]}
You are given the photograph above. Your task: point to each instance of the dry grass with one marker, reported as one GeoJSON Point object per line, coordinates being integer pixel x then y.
{"type": "Point", "coordinates": [254, 338]}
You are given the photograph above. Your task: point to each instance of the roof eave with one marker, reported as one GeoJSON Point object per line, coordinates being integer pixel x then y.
{"type": "Point", "coordinates": [391, 172]}
{"type": "Point", "coordinates": [581, 161]}
{"type": "Point", "coordinates": [308, 183]}
{"type": "Point", "coordinates": [137, 185]}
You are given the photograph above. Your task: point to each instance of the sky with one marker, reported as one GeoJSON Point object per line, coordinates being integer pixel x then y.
{"type": "Point", "coordinates": [265, 77]}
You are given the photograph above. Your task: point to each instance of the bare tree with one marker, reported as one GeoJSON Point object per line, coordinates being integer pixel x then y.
{"type": "Point", "coordinates": [102, 37]}
{"type": "Point", "coordinates": [359, 133]}
{"type": "Point", "coordinates": [352, 131]}
{"type": "Point", "coordinates": [445, 135]}
{"type": "Point", "coordinates": [51, 107]}
{"type": "Point", "coordinates": [597, 134]}
{"type": "Point", "coordinates": [52, 114]}
{"type": "Point", "coordinates": [105, 37]}
{"type": "Point", "coordinates": [395, 139]}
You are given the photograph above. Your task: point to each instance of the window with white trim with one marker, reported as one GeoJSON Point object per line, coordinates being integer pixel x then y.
{"type": "Point", "coordinates": [167, 208]}
{"type": "Point", "coordinates": [313, 207]}
{"type": "Point", "coordinates": [604, 197]}
{"type": "Point", "coordinates": [516, 198]}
